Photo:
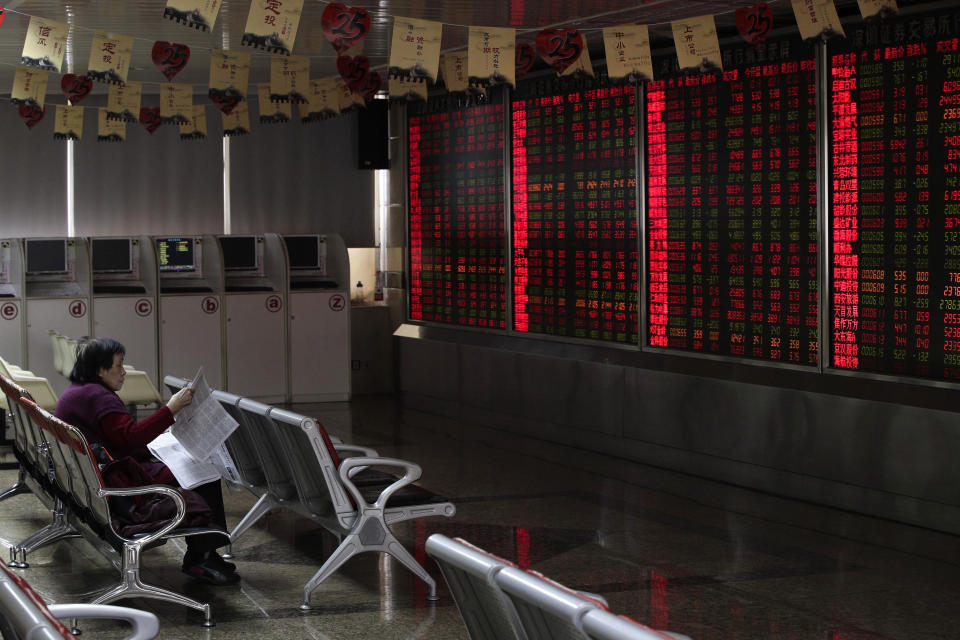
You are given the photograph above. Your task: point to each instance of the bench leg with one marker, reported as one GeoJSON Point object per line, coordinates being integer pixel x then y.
{"type": "Point", "coordinates": [17, 489]}
{"type": "Point", "coordinates": [368, 534]}
{"type": "Point", "coordinates": [58, 529]}
{"type": "Point", "coordinates": [131, 587]}
{"type": "Point", "coordinates": [257, 511]}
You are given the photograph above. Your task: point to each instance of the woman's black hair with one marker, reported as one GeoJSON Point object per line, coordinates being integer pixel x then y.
{"type": "Point", "coordinates": [93, 355]}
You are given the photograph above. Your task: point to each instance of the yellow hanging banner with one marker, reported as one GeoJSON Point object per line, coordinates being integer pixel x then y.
{"type": "Point", "coordinates": [883, 8]}
{"type": "Point", "coordinates": [29, 86]}
{"type": "Point", "coordinates": [817, 18]}
{"type": "Point", "coordinates": [289, 78]}
{"type": "Point", "coordinates": [199, 14]}
{"type": "Point", "coordinates": [110, 55]}
{"type": "Point", "coordinates": [697, 44]}
{"type": "Point", "coordinates": [272, 112]}
{"type": "Point", "coordinates": [68, 123]}
{"type": "Point", "coordinates": [323, 101]}
{"type": "Point", "coordinates": [229, 76]}
{"type": "Point", "coordinates": [272, 25]}
{"type": "Point", "coordinates": [176, 102]}
{"type": "Point", "coordinates": [110, 129]}
{"type": "Point", "coordinates": [123, 101]}
{"type": "Point", "coordinates": [237, 122]}
{"type": "Point", "coordinates": [415, 48]}
{"type": "Point", "coordinates": [627, 48]}
{"type": "Point", "coordinates": [492, 54]}
{"type": "Point", "coordinates": [348, 98]}
{"type": "Point", "coordinates": [400, 87]}
{"type": "Point", "coordinates": [196, 128]}
{"type": "Point", "coordinates": [582, 64]}
{"type": "Point", "coordinates": [45, 43]}
{"type": "Point", "coordinates": [453, 70]}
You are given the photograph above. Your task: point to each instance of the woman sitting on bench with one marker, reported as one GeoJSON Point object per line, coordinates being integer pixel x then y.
{"type": "Point", "coordinates": [92, 405]}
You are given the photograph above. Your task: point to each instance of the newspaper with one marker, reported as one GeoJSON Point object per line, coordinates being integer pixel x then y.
{"type": "Point", "coordinates": [193, 448]}
{"type": "Point", "coordinates": [202, 425]}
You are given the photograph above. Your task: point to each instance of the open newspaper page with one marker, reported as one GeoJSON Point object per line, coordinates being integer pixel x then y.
{"type": "Point", "coordinates": [188, 471]}
{"type": "Point", "coordinates": [203, 425]}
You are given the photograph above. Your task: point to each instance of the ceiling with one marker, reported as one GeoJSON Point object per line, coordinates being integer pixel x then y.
{"type": "Point", "coordinates": [143, 19]}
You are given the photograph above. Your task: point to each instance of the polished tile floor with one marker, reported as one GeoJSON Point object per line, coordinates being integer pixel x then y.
{"type": "Point", "coordinates": [680, 553]}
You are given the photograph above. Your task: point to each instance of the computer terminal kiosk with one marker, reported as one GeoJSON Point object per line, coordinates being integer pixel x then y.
{"type": "Point", "coordinates": [190, 274]}
{"type": "Point", "coordinates": [255, 272]}
{"type": "Point", "coordinates": [124, 272]}
{"type": "Point", "coordinates": [12, 325]}
{"type": "Point", "coordinates": [319, 318]}
{"type": "Point", "coordinates": [57, 278]}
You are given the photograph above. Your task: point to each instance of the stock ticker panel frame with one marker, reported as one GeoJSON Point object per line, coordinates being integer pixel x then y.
{"type": "Point", "coordinates": [823, 237]}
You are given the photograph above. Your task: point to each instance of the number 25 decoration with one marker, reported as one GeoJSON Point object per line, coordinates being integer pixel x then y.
{"type": "Point", "coordinates": [754, 23]}
{"type": "Point", "coordinates": [559, 48]}
{"type": "Point", "coordinates": [344, 26]}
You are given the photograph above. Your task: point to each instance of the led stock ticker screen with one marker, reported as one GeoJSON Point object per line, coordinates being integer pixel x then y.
{"type": "Point", "coordinates": [895, 197]}
{"type": "Point", "coordinates": [574, 231]}
{"type": "Point", "coordinates": [456, 225]}
{"type": "Point", "coordinates": [732, 208]}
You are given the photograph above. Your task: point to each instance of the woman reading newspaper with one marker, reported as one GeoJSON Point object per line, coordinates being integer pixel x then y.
{"type": "Point", "coordinates": [92, 405]}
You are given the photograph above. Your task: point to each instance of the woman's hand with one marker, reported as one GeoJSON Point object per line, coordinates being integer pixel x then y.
{"type": "Point", "coordinates": [179, 400]}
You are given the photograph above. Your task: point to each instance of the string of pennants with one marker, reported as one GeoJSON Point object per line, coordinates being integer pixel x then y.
{"type": "Point", "coordinates": [492, 56]}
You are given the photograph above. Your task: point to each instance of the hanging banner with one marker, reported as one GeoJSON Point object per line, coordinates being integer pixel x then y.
{"type": "Point", "coordinates": [453, 70]}
{"type": "Point", "coordinates": [882, 8]}
{"type": "Point", "coordinates": [415, 48]}
{"type": "Point", "coordinates": [272, 112]}
{"type": "Point", "coordinates": [123, 101]}
{"type": "Point", "coordinates": [199, 14]}
{"type": "Point", "coordinates": [68, 123]}
{"type": "Point", "coordinates": [170, 58]}
{"type": "Point", "coordinates": [44, 45]}
{"type": "Point", "coordinates": [237, 122]}
{"type": "Point", "coordinates": [31, 114]}
{"type": "Point", "coordinates": [196, 128]}
{"type": "Point", "coordinates": [272, 25]}
{"type": "Point", "coordinates": [289, 78]}
{"type": "Point", "coordinates": [627, 48]}
{"type": "Point", "coordinates": [696, 42]}
{"type": "Point", "coordinates": [323, 100]}
{"type": "Point", "coordinates": [817, 18]}
{"type": "Point", "coordinates": [75, 88]}
{"type": "Point", "coordinates": [400, 87]}
{"type": "Point", "coordinates": [754, 23]}
{"type": "Point", "coordinates": [29, 86]}
{"type": "Point", "coordinates": [347, 98]}
{"type": "Point", "coordinates": [176, 103]}
{"type": "Point", "coordinates": [150, 118]}
{"type": "Point", "coordinates": [560, 48]}
{"type": "Point", "coordinates": [229, 76]}
{"type": "Point", "coordinates": [582, 64]}
{"type": "Point", "coordinates": [344, 26]}
{"type": "Point", "coordinates": [110, 55]}
{"type": "Point", "coordinates": [492, 55]}
{"type": "Point", "coordinates": [110, 129]}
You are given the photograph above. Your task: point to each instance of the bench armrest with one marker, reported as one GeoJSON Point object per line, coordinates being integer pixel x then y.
{"type": "Point", "coordinates": [145, 624]}
{"type": "Point", "coordinates": [352, 450]}
{"type": "Point", "coordinates": [411, 473]}
{"type": "Point", "coordinates": [151, 488]}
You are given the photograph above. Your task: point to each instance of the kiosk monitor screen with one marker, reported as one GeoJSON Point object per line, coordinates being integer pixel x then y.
{"type": "Point", "coordinates": [175, 254]}
{"type": "Point", "coordinates": [239, 253]}
{"type": "Point", "coordinates": [111, 255]}
{"type": "Point", "coordinates": [304, 252]}
{"type": "Point", "coordinates": [46, 257]}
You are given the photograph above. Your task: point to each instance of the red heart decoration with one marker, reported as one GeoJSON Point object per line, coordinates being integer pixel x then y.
{"type": "Point", "coordinates": [559, 48]}
{"type": "Point", "coordinates": [344, 26]}
{"type": "Point", "coordinates": [354, 71]}
{"type": "Point", "coordinates": [170, 57]}
{"type": "Point", "coordinates": [3, 14]}
{"type": "Point", "coordinates": [75, 87]}
{"type": "Point", "coordinates": [150, 118]}
{"type": "Point", "coordinates": [31, 114]}
{"type": "Point", "coordinates": [525, 57]}
{"type": "Point", "coordinates": [223, 100]}
{"type": "Point", "coordinates": [755, 23]}
{"type": "Point", "coordinates": [371, 85]}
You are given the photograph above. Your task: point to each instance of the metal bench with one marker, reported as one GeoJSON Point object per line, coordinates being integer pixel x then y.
{"type": "Point", "coordinates": [287, 453]}
{"type": "Point", "coordinates": [87, 512]}
{"type": "Point", "coordinates": [25, 616]}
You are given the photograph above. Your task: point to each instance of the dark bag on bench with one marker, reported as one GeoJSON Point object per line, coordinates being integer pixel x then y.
{"type": "Point", "coordinates": [146, 513]}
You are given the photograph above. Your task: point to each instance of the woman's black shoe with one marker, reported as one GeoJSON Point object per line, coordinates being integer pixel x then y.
{"type": "Point", "coordinates": [210, 572]}
{"type": "Point", "coordinates": [217, 561]}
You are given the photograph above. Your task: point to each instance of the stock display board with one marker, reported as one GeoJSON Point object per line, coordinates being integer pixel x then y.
{"type": "Point", "coordinates": [732, 207]}
{"type": "Point", "coordinates": [574, 230]}
{"type": "Point", "coordinates": [456, 222]}
{"type": "Point", "coordinates": [895, 197]}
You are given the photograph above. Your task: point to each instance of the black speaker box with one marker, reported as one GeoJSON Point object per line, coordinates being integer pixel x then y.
{"type": "Point", "coordinates": [373, 133]}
